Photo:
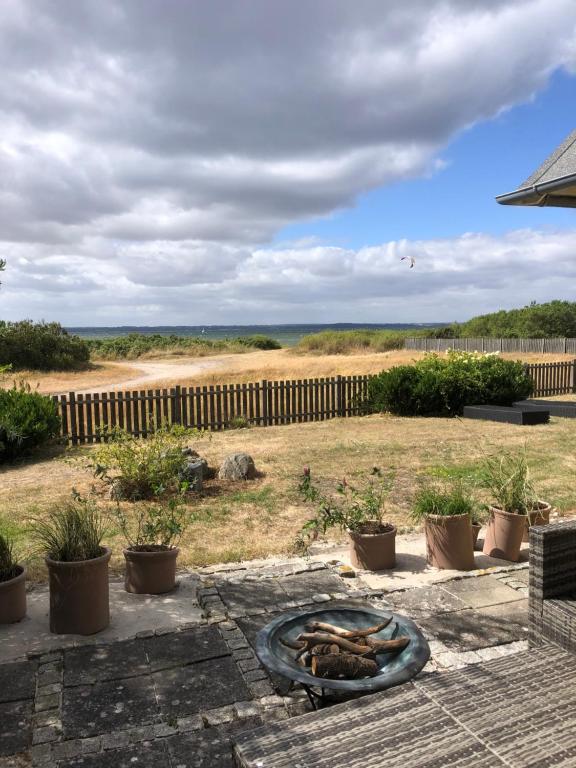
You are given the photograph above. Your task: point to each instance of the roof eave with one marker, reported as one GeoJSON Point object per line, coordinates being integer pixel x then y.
{"type": "Point", "coordinates": [549, 193]}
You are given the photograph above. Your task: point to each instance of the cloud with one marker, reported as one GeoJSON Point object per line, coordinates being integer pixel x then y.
{"type": "Point", "coordinates": [453, 279]}
{"type": "Point", "coordinates": [150, 152]}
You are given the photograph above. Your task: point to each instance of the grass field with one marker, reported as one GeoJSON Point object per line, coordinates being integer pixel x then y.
{"type": "Point", "coordinates": [260, 518]}
{"type": "Point", "coordinates": [229, 369]}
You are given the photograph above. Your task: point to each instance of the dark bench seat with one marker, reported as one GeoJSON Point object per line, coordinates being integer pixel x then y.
{"type": "Point", "coordinates": [564, 408]}
{"type": "Point", "coordinates": [510, 415]}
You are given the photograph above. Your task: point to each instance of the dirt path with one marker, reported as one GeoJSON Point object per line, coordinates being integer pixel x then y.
{"type": "Point", "coordinates": [148, 371]}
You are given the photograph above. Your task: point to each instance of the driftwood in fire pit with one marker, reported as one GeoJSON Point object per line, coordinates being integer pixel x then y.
{"type": "Point", "coordinates": [336, 652]}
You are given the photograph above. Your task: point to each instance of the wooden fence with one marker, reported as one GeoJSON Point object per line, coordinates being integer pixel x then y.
{"type": "Point", "coordinates": [264, 403]}
{"type": "Point", "coordinates": [540, 346]}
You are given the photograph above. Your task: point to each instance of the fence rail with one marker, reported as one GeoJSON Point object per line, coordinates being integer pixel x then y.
{"type": "Point", "coordinates": [263, 403]}
{"type": "Point", "coordinates": [541, 346]}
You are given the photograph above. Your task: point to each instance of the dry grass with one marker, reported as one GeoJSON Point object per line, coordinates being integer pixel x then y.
{"type": "Point", "coordinates": [98, 375]}
{"type": "Point", "coordinates": [229, 369]}
{"type": "Point", "coordinates": [247, 520]}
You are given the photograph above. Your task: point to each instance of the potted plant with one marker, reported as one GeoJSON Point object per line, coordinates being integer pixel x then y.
{"type": "Point", "coordinates": [151, 534]}
{"type": "Point", "coordinates": [478, 520]}
{"type": "Point", "coordinates": [71, 540]}
{"type": "Point", "coordinates": [447, 517]}
{"type": "Point", "coordinates": [359, 512]}
{"type": "Point", "coordinates": [12, 583]}
{"type": "Point", "coordinates": [515, 505]}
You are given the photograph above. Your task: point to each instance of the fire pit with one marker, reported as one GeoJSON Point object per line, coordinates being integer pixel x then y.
{"type": "Point", "coordinates": [392, 669]}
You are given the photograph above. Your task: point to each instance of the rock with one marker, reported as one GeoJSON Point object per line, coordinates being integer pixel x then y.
{"type": "Point", "coordinates": [346, 572]}
{"type": "Point", "coordinates": [237, 466]}
{"type": "Point", "coordinates": [116, 490]}
{"type": "Point", "coordinates": [192, 473]}
{"type": "Point", "coordinates": [190, 452]}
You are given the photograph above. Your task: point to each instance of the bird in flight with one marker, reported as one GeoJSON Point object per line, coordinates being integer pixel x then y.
{"type": "Point", "coordinates": [411, 259]}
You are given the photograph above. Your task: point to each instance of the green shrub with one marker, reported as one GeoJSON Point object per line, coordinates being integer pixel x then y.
{"type": "Point", "coordinates": [136, 345]}
{"type": "Point", "coordinates": [27, 420]}
{"type": "Point", "coordinates": [41, 346]}
{"type": "Point", "coordinates": [154, 527]}
{"type": "Point", "coordinates": [137, 468]}
{"type": "Point", "coordinates": [442, 386]}
{"type": "Point", "coordinates": [71, 532]}
{"type": "Point", "coordinates": [350, 342]}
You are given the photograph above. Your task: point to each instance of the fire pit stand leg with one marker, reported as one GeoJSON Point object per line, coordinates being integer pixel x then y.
{"type": "Point", "coordinates": [318, 700]}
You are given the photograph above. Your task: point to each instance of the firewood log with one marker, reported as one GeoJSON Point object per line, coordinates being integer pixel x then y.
{"type": "Point", "coordinates": [319, 638]}
{"type": "Point", "coordinates": [295, 645]}
{"type": "Point", "coordinates": [343, 665]}
{"type": "Point", "coordinates": [351, 634]}
{"type": "Point", "coordinates": [323, 649]}
{"type": "Point", "coordinates": [387, 646]}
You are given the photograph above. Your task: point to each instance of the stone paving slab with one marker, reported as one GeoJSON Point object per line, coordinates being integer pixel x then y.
{"type": "Point", "coordinates": [129, 615]}
{"type": "Point", "coordinates": [151, 754]}
{"type": "Point", "coordinates": [426, 601]}
{"type": "Point", "coordinates": [210, 747]}
{"type": "Point", "coordinates": [202, 686]}
{"type": "Point", "coordinates": [482, 591]}
{"type": "Point", "coordinates": [112, 661]}
{"type": "Point", "coordinates": [306, 585]}
{"type": "Point", "coordinates": [246, 595]}
{"type": "Point", "coordinates": [15, 727]}
{"type": "Point", "coordinates": [89, 710]}
{"type": "Point", "coordinates": [17, 681]}
{"type": "Point", "coordinates": [186, 647]}
{"type": "Point", "coordinates": [472, 629]}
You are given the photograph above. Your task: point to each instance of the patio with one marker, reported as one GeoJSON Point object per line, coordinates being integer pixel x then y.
{"type": "Point", "coordinates": [174, 680]}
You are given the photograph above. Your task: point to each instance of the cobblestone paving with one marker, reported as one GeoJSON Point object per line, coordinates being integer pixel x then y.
{"type": "Point", "coordinates": [176, 698]}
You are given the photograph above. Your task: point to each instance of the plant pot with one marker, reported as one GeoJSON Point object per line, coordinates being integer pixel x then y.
{"type": "Point", "coordinates": [449, 542]}
{"type": "Point", "coordinates": [504, 534]}
{"type": "Point", "coordinates": [13, 597]}
{"type": "Point", "coordinates": [540, 516]}
{"type": "Point", "coordinates": [79, 598]}
{"type": "Point", "coordinates": [476, 528]}
{"type": "Point", "coordinates": [373, 551]}
{"type": "Point", "coordinates": [150, 572]}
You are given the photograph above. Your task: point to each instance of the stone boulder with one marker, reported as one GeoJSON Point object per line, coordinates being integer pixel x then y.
{"type": "Point", "coordinates": [193, 473]}
{"type": "Point", "coordinates": [237, 466]}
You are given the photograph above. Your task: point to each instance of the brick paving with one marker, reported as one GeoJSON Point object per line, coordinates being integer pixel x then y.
{"type": "Point", "coordinates": [178, 696]}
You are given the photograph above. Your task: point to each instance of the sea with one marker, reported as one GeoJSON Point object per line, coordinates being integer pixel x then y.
{"type": "Point", "coordinates": [286, 335]}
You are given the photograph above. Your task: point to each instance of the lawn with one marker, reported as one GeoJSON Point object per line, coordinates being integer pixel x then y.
{"type": "Point", "coordinates": [262, 517]}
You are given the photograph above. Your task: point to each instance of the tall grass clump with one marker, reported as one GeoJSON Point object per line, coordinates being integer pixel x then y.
{"type": "Point", "coordinates": [443, 502]}
{"type": "Point", "coordinates": [350, 342]}
{"type": "Point", "coordinates": [71, 532]}
{"type": "Point", "coordinates": [8, 559]}
{"type": "Point", "coordinates": [442, 386]}
{"type": "Point", "coordinates": [507, 477]}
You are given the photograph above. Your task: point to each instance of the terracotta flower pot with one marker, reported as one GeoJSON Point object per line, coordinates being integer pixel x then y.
{"type": "Point", "coordinates": [150, 572]}
{"type": "Point", "coordinates": [79, 596]}
{"type": "Point", "coordinates": [373, 551]}
{"type": "Point", "coordinates": [504, 534]}
{"type": "Point", "coordinates": [13, 597]}
{"type": "Point", "coordinates": [476, 528]}
{"type": "Point", "coordinates": [449, 542]}
{"type": "Point", "coordinates": [540, 516]}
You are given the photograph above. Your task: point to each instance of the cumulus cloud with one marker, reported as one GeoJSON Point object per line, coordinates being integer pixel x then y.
{"type": "Point", "coordinates": [150, 152]}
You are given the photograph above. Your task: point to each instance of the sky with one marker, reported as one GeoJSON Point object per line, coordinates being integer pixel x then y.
{"type": "Point", "coordinates": [169, 162]}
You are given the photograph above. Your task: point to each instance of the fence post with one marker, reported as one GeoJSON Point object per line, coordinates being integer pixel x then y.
{"type": "Point", "coordinates": [176, 405]}
{"type": "Point", "coordinates": [573, 376]}
{"type": "Point", "coordinates": [72, 407]}
{"type": "Point", "coordinates": [339, 396]}
{"type": "Point", "coordinates": [264, 403]}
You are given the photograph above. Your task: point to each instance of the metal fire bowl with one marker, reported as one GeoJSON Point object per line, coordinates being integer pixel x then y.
{"type": "Point", "coordinates": [394, 669]}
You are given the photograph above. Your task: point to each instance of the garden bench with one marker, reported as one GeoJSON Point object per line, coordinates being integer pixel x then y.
{"type": "Point", "coordinates": [564, 408]}
{"type": "Point", "coordinates": [510, 415]}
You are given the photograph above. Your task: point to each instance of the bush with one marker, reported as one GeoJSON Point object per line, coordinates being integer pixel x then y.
{"type": "Point", "coordinates": [142, 468]}
{"type": "Point", "coordinates": [154, 527]}
{"type": "Point", "coordinates": [136, 345]}
{"type": "Point", "coordinates": [442, 386]}
{"type": "Point", "coordinates": [351, 342]}
{"type": "Point", "coordinates": [41, 346]}
{"type": "Point", "coordinates": [27, 420]}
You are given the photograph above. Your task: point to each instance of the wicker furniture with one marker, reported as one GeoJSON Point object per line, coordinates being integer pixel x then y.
{"type": "Point", "coordinates": [552, 601]}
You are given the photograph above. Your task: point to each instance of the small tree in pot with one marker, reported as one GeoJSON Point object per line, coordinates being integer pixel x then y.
{"type": "Point", "coordinates": [12, 583]}
{"type": "Point", "coordinates": [152, 532]}
{"type": "Point", "coordinates": [515, 504]}
{"type": "Point", "coordinates": [71, 540]}
{"type": "Point", "coordinates": [447, 517]}
{"type": "Point", "coordinates": [359, 512]}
